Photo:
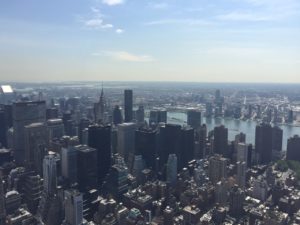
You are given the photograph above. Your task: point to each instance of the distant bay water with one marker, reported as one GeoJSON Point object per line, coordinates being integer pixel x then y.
{"type": "Point", "coordinates": [235, 126]}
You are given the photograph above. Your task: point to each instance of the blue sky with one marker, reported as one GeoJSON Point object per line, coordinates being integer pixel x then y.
{"type": "Point", "coordinates": [172, 40]}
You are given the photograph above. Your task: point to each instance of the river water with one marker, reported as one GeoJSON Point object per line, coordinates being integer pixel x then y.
{"type": "Point", "coordinates": [234, 126]}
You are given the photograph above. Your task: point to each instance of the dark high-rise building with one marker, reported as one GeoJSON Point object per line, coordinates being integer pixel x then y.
{"type": "Point", "coordinates": [73, 207]}
{"type": "Point", "coordinates": [158, 116]}
{"type": "Point", "coordinates": [25, 113]}
{"type": "Point", "coordinates": [3, 129]}
{"type": "Point", "coordinates": [194, 118]}
{"type": "Point", "coordinates": [69, 164]}
{"type": "Point", "coordinates": [51, 113]}
{"type": "Point", "coordinates": [146, 145]}
{"type": "Point", "coordinates": [202, 134]}
{"type": "Point", "coordinates": [126, 141]}
{"type": "Point", "coordinates": [140, 115]}
{"type": "Point", "coordinates": [117, 115]}
{"type": "Point", "coordinates": [221, 140]}
{"type": "Point", "coordinates": [236, 201]}
{"type": "Point", "coordinates": [249, 156]}
{"type": "Point", "coordinates": [217, 95]}
{"type": "Point", "coordinates": [173, 139]}
{"type": "Point", "coordinates": [172, 168]}
{"type": "Point", "coordinates": [290, 116]}
{"type": "Point", "coordinates": [263, 142]}
{"type": "Point", "coordinates": [83, 124]}
{"type": "Point", "coordinates": [277, 135]}
{"type": "Point", "coordinates": [70, 128]}
{"type": "Point", "coordinates": [33, 187]}
{"type": "Point", "coordinates": [50, 174]}
{"type": "Point", "coordinates": [209, 109]}
{"type": "Point", "coordinates": [116, 183]}
{"type": "Point", "coordinates": [169, 141]}
{"type": "Point", "coordinates": [86, 167]}
{"type": "Point", "coordinates": [293, 148]}
{"type": "Point", "coordinates": [240, 138]}
{"type": "Point", "coordinates": [99, 137]}
{"type": "Point", "coordinates": [55, 129]}
{"type": "Point", "coordinates": [8, 111]}
{"type": "Point", "coordinates": [128, 104]}
{"type": "Point", "coordinates": [217, 168]}
{"type": "Point", "coordinates": [69, 124]}
{"type": "Point", "coordinates": [2, 202]}
{"type": "Point", "coordinates": [36, 144]}
{"type": "Point", "coordinates": [186, 151]}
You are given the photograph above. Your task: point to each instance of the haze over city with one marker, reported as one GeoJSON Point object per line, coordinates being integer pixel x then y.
{"type": "Point", "coordinates": [131, 40]}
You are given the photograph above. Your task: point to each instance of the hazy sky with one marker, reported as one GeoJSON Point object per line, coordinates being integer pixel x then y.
{"type": "Point", "coordinates": [172, 40]}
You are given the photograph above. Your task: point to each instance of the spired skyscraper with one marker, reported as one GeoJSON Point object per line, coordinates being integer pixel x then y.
{"type": "Point", "coordinates": [128, 104]}
{"type": "Point", "coordinates": [99, 108]}
{"type": "Point", "coordinates": [25, 113]}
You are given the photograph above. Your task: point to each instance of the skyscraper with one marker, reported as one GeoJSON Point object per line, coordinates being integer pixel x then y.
{"type": "Point", "coordinates": [99, 137]}
{"type": "Point", "coordinates": [293, 148]}
{"type": "Point", "coordinates": [202, 134]}
{"type": "Point", "coordinates": [158, 116]}
{"type": "Point", "coordinates": [263, 142]}
{"type": "Point", "coordinates": [128, 104]}
{"type": "Point", "coordinates": [99, 108]}
{"type": "Point", "coordinates": [83, 124]}
{"type": "Point", "coordinates": [137, 168]}
{"type": "Point", "coordinates": [221, 140]}
{"type": "Point", "coordinates": [186, 150]}
{"type": "Point", "coordinates": [241, 174]}
{"type": "Point", "coordinates": [140, 115]}
{"type": "Point", "coordinates": [117, 115]}
{"type": "Point", "coordinates": [2, 202]}
{"type": "Point", "coordinates": [242, 152]}
{"type": "Point", "coordinates": [126, 141]}
{"type": "Point", "coordinates": [146, 141]}
{"type": "Point", "coordinates": [217, 168]}
{"type": "Point", "coordinates": [87, 175]}
{"type": "Point", "coordinates": [73, 208]}
{"type": "Point", "coordinates": [36, 144]}
{"type": "Point", "coordinates": [277, 135]}
{"type": "Point", "coordinates": [169, 141]}
{"type": "Point", "coordinates": [69, 164]}
{"type": "Point", "coordinates": [290, 116]}
{"type": "Point", "coordinates": [6, 122]}
{"type": "Point", "coordinates": [25, 113]}
{"type": "Point", "coordinates": [172, 170]}
{"type": "Point", "coordinates": [3, 129]}
{"type": "Point", "coordinates": [209, 109]}
{"type": "Point", "coordinates": [50, 174]}
{"type": "Point", "coordinates": [55, 128]}
{"type": "Point", "coordinates": [194, 118]}
{"type": "Point", "coordinates": [236, 201]}
{"type": "Point", "coordinates": [217, 96]}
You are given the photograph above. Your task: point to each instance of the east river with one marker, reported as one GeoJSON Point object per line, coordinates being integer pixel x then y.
{"type": "Point", "coordinates": [235, 126]}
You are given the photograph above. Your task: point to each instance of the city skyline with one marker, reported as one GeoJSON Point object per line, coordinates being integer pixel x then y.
{"type": "Point", "coordinates": [116, 40]}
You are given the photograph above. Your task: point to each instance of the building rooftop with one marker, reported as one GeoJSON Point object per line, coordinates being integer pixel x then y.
{"type": "Point", "coordinates": [6, 89]}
